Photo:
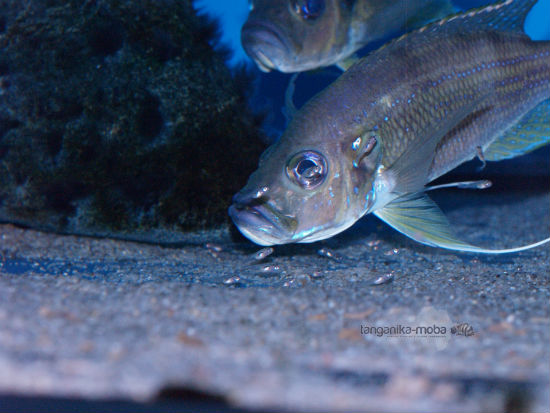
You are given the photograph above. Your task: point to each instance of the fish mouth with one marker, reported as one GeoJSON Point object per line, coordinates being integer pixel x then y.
{"type": "Point", "coordinates": [264, 44]}
{"type": "Point", "coordinates": [261, 222]}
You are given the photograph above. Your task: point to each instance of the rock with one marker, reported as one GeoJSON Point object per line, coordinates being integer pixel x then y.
{"type": "Point", "coordinates": [118, 118]}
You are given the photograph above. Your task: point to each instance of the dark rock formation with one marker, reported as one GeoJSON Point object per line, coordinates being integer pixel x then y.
{"type": "Point", "coordinates": [118, 118]}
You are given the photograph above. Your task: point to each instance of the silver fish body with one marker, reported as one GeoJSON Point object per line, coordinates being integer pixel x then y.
{"type": "Point", "coordinates": [299, 35]}
{"type": "Point", "coordinates": [399, 118]}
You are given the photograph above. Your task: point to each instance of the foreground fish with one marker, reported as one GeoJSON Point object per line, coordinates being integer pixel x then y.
{"type": "Point", "coordinates": [299, 35]}
{"type": "Point", "coordinates": [399, 118]}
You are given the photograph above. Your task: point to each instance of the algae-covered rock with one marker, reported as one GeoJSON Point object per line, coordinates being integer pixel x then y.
{"type": "Point", "coordinates": [118, 118]}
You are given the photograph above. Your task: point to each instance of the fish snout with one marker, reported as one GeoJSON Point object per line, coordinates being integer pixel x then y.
{"type": "Point", "coordinates": [259, 219]}
{"type": "Point", "coordinates": [264, 43]}
{"type": "Point", "coordinates": [246, 197]}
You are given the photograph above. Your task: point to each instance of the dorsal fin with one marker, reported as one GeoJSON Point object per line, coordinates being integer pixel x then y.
{"type": "Point", "coordinates": [508, 15]}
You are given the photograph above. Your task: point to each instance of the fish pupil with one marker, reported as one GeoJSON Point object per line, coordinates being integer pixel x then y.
{"type": "Point", "coordinates": [308, 169]}
{"type": "Point", "coordinates": [312, 172]}
{"type": "Point", "coordinates": [308, 9]}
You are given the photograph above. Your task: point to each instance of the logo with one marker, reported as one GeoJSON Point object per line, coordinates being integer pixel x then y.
{"type": "Point", "coordinates": [463, 329]}
{"type": "Point", "coordinates": [431, 327]}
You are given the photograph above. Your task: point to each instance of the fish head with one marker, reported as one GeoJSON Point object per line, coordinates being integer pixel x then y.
{"type": "Point", "coordinates": [296, 35]}
{"type": "Point", "coordinates": [305, 190]}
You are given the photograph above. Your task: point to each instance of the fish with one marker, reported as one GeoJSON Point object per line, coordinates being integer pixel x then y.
{"type": "Point", "coordinates": [300, 35]}
{"type": "Point", "coordinates": [402, 116]}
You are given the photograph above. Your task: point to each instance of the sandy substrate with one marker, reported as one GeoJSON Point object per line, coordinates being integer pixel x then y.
{"type": "Point", "coordinates": [103, 319]}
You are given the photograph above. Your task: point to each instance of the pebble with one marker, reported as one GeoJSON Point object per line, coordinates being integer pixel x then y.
{"type": "Point", "coordinates": [232, 280]}
{"type": "Point", "coordinates": [325, 252]}
{"type": "Point", "coordinates": [289, 283]}
{"type": "Point", "coordinates": [316, 274]}
{"type": "Point", "coordinates": [270, 269]}
{"type": "Point", "coordinates": [384, 279]}
{"type": "Point", "coordinates": [213, 247]}
{"type": "Point", "coordinates": [263, 253]}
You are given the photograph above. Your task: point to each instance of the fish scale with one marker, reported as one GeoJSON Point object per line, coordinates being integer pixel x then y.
{"type": "Point", "coordinates": [509, 73]}
{"type": "Point", "coordinates": [518, 82]}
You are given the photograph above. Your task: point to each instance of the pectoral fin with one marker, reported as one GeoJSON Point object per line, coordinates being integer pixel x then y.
{"type": "Point", "coordinates": [530, 133]}
{"type": "Point", "coordinates": [419, 218]}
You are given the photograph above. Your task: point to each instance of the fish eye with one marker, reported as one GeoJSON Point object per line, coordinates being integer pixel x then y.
{"type": "Point", "coordinates": [308, 9]}
{"type": "Point", "coordinates": [308, 169]}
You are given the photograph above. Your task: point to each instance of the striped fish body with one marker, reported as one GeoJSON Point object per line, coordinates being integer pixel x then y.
{"type": "Point", "coordinates": [405, 88]}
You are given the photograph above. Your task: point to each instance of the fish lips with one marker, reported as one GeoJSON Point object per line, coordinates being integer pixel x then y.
{"type": "Point", "coordinates": [264, 44]}
{"type": "Point", "coordinates": [261, 222]}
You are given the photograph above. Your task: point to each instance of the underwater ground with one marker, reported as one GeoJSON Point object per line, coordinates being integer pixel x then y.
{"type": "Point", "coordinates": [100, 324]}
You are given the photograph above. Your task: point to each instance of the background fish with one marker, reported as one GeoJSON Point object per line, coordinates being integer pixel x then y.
{"type": "Point", "coordinates": [299, 35]}
{"type": "Point", "coordinates": [396, 120]}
